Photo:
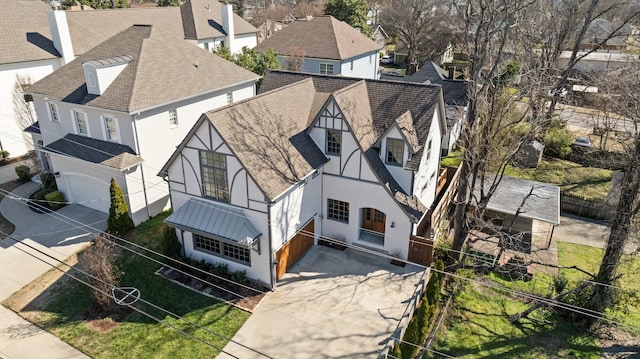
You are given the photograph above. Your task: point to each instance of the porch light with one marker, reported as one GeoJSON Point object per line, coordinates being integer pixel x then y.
{"type": "Point", "coordinates": [393, 224]}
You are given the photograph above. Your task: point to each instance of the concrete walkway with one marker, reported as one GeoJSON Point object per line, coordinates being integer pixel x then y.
{"type": "Point", "coordinates": [59, 234]}
{"type": "Point", "coordinates": [579, 230]}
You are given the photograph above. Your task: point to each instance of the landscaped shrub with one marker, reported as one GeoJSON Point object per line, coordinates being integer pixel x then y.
{"type": "Point", "coordinates": [23, 172]}
{"type": "Point", "coordinates": [411, 335]}
{"type": "Point", "coordinates": [395, 351]}
{"type": "Point", "coordinates": [434, 286]}
{"type": "Point", "coordinates": [119, 221]}
{"type": "Point", "coordinates": [557, 142]}
{"type": "Point", "coordinates": [4, 155]}
{"type": "Point", "coordinates": [48, 181]}
{"type": "Point", "coordinates": [170, 245]}
{"type": "Point", "coordinates": [55, 199]}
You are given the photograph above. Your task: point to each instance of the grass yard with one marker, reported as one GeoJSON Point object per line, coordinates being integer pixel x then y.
{"type": "Point", "coordinates": [66, 313]}
{"type": "Point", "coordinates": [478, 324]}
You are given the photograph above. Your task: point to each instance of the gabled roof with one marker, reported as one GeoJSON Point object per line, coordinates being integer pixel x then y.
{"type": "Point", "coordinates": [163, 69]}
{"type": "Point", "coordinates": [431, 72]}
{"type": "Point", "coordinates": [89, 149]}
{"type": "Point", "coordinates": [26, 35]}
{"type": "Point", "coordinates": [322, 37]}
{"type": "Point", "coordinates": [268, 133]}
{"type": "Point", "coordinates": [454, 91]}
{"type": "Point", "coordinates": [202, 19]}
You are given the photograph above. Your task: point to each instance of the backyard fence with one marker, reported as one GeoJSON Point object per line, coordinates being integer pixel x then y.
{"type": "Point", "coordinates": [580, 206]}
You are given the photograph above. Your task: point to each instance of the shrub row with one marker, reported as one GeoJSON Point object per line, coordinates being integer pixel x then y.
{"type": "Point", "coordinates": [422, 321]}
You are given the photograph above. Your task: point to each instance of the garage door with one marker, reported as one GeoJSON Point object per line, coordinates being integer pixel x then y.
{"type": "Point", "coordinates": [293, 250]}
{"type": "Point", "coordinates": [87, 191]}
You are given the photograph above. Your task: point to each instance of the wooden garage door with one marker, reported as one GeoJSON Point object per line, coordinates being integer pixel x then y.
{"type": "Point", "coordinates": [293, 250]}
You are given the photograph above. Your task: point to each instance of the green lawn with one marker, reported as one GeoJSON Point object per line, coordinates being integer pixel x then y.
{"type": "Point", "coordinates": [137, 336]}
{"type": "Point", "coordinates": [591, 183]}
{"type": "Point", "coordinates": [478, 324]}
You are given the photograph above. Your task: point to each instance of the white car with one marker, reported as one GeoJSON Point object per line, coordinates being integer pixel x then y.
{"type": "Point", "coordinates": [386, 59]}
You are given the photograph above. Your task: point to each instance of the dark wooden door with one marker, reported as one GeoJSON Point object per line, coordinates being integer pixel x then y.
{"type": "Point", "coordinates": [373, 220]}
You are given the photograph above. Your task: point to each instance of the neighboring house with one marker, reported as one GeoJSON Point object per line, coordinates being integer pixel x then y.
{"type": "Point", "coordinates": [268, 28]}
{"type": "Point", "coordinates": [599, 61]}
{"type": "Point", "coordinates": [253, 185]}
{"type": "Point", "coordinates": [212, 24]}
{"type": "Point", "coordinates": [118, 111]}
{"type": "Point", "coordinates": [601, 29]}
{"type": "Point", "coordinates": [380, 36]}
{"type": "Point", "coordinates": [526, 210]}
{"type": "Point", "coordinates": [401, 52]}
{"type": "Point", "coordinates": [327, 47]}
{"type": "Point", "coordinates": [31, 47]}
{"type": "Point", "coordinates": [455, 98]}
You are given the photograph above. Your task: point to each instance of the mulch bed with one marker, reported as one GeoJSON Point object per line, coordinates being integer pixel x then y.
{"type": "Point", "coordinates": [248, 299]}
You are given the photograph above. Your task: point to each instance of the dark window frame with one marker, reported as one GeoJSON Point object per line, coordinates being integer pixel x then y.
{"type": "Point", "coordinates": [337, 210]}
{"type": "Point", "coordinates": [393, 145]}
{"type": "Point", "coordinates": [215, 182]}
{"type": "Point", "coordinates": [222, 249]}
{"type": "Point", "coordinates": [334, 142]}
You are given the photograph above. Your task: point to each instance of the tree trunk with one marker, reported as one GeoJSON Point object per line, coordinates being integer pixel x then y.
{"type": "Point", "coordinates": [604, 295]}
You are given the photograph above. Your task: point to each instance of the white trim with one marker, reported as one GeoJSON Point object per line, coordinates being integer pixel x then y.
{"type": "Point", "coordinates": [55, 106]}
{"type": "Point", "coordinates": [105, 133]}
{"type": "Point", "coordinates": [175, 122]}
{"type": "Point", "coordinates": [75, 122]}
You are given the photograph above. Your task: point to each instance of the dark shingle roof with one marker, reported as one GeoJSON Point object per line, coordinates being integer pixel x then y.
{"type": "Point", "coordinates": [454, 91]}
{"type": "Point", "coordinates": [34, 128]}
{"type": "Point", "coordinates": [322, 37]}
{"type": "Point", "coordinates": [202, 19]}
{"type": "Point", "coordinates": [163, 69]}
{"type": "Point", "coordinates": [430, 71]}
{"type": "Point", "coordinates": [89, 149]}
{"type": "Point", "coordinates": [26, 35]}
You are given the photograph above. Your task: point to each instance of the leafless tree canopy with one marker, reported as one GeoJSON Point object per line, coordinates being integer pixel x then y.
{"type": "Point", "coordinates": [24, 113]}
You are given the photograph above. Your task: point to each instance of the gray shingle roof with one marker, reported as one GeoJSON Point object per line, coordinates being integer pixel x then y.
{"type": "Point", "coordinates": [209, 218]}
{"type": "Point", "coordinates": [26, 35]}
{"type": "Point", "coordinates": [89, 149]}
{"type": "Point", "coordinates": [163, 70]}
{"type": "Point", "coordinates": [35, 128]}
{"type": "Point", "coordinates": [322, 37]}
{"type": "Point", "coordinates": [543, 204]}
{"type": "Point", "coordinates": [202, 19]}
{"type": "Point", "coordinates": [454, 91]}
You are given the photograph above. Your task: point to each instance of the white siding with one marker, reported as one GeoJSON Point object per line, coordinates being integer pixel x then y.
{"type": "Point", "coordinates": [239, 41]}
{"type": "Point", "coordinates": [364, 66]}
{"type": "Point", "coordinates": [12, 137]}
{"type": "Point", "coordinates": [426, 179]}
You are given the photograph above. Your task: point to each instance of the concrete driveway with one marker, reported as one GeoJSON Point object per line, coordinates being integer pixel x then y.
{"type": "Point", "coordinates": [57, 234]}
{"type": "Point", "coordinates": [331, 304]}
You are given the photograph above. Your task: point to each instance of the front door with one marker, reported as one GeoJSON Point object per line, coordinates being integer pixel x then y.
{"type": "Point", "coordinates": [373, 220]}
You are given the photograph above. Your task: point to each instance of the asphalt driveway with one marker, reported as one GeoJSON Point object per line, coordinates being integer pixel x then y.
{"type": "Point", "coordinates": [331, 304]}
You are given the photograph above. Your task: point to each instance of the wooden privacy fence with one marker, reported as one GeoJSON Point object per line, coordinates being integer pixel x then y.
{"type": "Point", "coordinates": [578, 205]}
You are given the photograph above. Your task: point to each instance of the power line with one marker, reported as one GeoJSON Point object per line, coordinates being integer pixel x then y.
{"type": "Point", "coordinates": [114, 288]}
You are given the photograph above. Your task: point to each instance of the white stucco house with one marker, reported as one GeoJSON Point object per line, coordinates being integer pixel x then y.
{"type": "Point", "coordinates": [34, 44]}
{"type": "Point", "coordinates": [257, 183]}
{"type": "Point", "coordinates": [120, 109]}
{"type": "Point", "coordinates": [327, 46]}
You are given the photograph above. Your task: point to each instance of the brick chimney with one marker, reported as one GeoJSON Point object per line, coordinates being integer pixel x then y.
{"type": "Point", "coordinates": [61, 35]}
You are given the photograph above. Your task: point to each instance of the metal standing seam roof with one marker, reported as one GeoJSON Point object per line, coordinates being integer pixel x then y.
{"type": "Point", "coordinates": [210, 218]}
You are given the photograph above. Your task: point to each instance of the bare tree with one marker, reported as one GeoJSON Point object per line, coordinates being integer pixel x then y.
{"type": "Point", "coordinates": [423, 27]}
{"type": "Point", "coordinates": [25, 115]}
{"type": "Point", "coordinates": [295, 61]}
{"type": "Point", "coordinates": [99, 260]}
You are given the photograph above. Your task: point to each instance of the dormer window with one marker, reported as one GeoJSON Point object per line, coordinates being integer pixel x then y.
{"type": "Point", "coordinates": [395, 151]}
{"type": "Point", "coordinates": [333, 142]}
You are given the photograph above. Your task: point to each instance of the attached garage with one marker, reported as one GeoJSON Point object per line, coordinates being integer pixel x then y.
{"type": "Point", "coordinates": [87, 191]}
{"type": "Point", "coordinates": [293, 250]}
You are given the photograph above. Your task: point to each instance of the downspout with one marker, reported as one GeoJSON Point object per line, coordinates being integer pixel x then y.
{"type": "Point", "coordinates": [272, 259]}
{"type": "Point", "coordinates": [144, 183]}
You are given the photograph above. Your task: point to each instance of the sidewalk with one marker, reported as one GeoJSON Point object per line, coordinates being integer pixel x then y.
{"type": "Point", "coordinates": [59, 234]}
{"type": "Point", "coordinates": [8, 172]}
{"type": "Point", "coordinates": [20, 339]}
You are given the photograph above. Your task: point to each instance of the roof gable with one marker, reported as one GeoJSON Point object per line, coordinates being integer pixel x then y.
{"type": "Point", "coordinates": [202, 19]}
{"type": "Point", "coordinates": [163, 69]}
{"type": "Point", "coordinates": [322, 37]}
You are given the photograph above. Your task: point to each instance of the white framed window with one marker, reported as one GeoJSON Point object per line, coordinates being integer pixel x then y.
{"type": "Point", "coordinates": [91, 79]}
{"type": "Point", "coordinates": [222, 249]}
{"type": "Point", "coordinates": [326, 69]}
{"type": "Point", "coordinates": [206, 46]}
{"type": "Point", "coordinates": [82, 126]}
{"type": "Point", "coordinates": [53, 112]}
{"type": "Point", "coordinates": [110, 128]}
{"type": "Point", "coordinates": [173, 118]}
{"type": "Point", "coordinates": [229, 98]}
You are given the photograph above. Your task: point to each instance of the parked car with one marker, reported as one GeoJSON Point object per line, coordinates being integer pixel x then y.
{"type": "Point", "coordinates": [583, 141]}
{"type": "Point", "coordinates": [386, 59]}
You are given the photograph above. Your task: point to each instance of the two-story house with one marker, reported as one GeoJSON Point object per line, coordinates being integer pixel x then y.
{"type": "Point", "coordinates": [255, 184]}
{"type": "Point", "coordinates": [120, 109]}
{"type": "Point", "coordinates": [36, 42]}
{"type": "Point", "coordinates": [325, 46]}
